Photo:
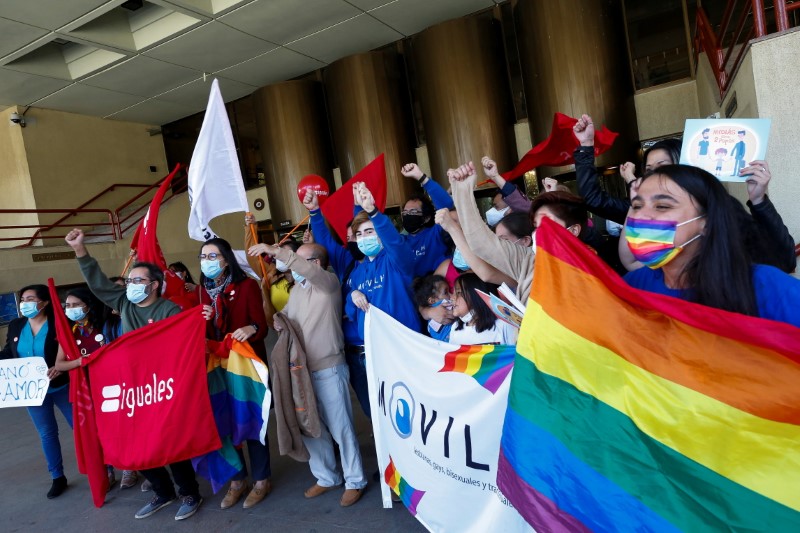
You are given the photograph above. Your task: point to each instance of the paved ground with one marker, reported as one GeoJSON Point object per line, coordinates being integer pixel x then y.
{"type": "Point", "coordinates": [24, 481]}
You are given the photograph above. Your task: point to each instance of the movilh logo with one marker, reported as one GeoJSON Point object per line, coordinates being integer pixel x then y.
{"type": "Point", "coordinates": [402, 407]}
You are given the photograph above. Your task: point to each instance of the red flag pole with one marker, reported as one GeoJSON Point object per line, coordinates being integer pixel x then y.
{"type": "Point", "coordinates": [128, 263]}
{"type": "Point", "coordinates": [285, 237]}
{"type": "Point", "coordinates": [255, 240]}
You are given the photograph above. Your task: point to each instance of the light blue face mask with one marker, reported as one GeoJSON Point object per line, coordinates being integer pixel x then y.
{"type": "Point", "coordinates": [29, 309]}
{"type": "Point", "coordinates": [136, 293]}
{"type": "Point", "coordinates": [211, 269]}
{"type": "Point", "coordinates": [458, 261]}
{"type": "Point", "coordinates": [297, 277]}
{"type": "Point", "coordinates": [370, 245]}
{"type": "Point", "coordinates": [76, 313]}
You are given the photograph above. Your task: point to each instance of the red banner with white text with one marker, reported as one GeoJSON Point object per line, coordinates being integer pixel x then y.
{"type": "Point", "coordinates": [150, 394]}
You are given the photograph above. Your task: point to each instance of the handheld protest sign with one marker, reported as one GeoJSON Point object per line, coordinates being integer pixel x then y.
{"type": "Point", "coordinates": [23, 382]}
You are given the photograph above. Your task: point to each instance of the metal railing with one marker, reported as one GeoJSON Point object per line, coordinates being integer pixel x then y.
{"type": "Point", "coordinates": [118, 221]}
{"type": "Point", "coordinates": [726, 44]}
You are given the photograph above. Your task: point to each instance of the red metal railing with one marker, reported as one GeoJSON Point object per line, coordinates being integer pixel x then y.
{"type": "Point", "coordinates": [726, 48]}
{"type": "Point", "coordinates": [117, 222]}
{"type": "Point", "coordinates": [69, 213]}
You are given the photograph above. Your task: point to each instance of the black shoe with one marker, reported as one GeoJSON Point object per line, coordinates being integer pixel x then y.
{"type": "Point", "coordinates": [59, 486]}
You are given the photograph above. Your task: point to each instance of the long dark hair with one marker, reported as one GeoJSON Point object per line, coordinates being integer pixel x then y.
{"type": "Point", "coordinates": [484, 317]}
{"type": "Point", "coordinates": [720, 274]}
{"type": "Point", "coordinates": [671, 146]}
{"type": "Point", "coordinates": [96, 315]}
{"type": "Point", "coordinates": [43, 293]}
{"type": "Point", "coordinates": [224, 247]}
{"type": "Point", "coordinates": [177, 266]}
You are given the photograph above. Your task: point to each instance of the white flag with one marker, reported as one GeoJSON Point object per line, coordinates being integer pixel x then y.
{"type": "Point", "coordinates": [215, 179]}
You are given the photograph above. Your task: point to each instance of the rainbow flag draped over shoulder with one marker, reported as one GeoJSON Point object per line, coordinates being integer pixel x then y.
{"type": "Point", "coordinates": [632, 411]}
{"type": "Point", "coordinates": [240, 399]}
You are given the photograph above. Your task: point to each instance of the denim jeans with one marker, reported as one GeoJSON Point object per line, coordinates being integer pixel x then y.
{"type": "Point", "coordinates": [184, 476]}
{"type": "Point", "coordinates": [259, 460]}
{"type": "Point", "coordinates": [44, 418]}
{"type": "Point", "coordinates": [357, 366]}
{"type": "Point", "coordinates": [336, 412]}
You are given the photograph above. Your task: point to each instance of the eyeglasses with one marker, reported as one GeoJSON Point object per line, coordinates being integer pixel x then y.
{"type": "Point", "coordinates": [312, 259]}
{"type": "Point", "coordinates": [212, 257]}
{"type": "Point", "coordinates": [138, 281]}
{"type": "Point", "coordinates": [412, 212]}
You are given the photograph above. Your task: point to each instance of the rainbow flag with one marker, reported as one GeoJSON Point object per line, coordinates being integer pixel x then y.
{"type": "Point", "coordinates": [240, 399]}
{"type": "Point", "coordinates": [632, 411]}
{"type": "Point", "coordinates": [408, 494]}
{"type": "Point", "coordinates": [488, 364]}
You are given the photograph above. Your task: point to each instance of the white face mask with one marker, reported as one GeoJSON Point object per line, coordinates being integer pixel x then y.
{"type": "Point", "coordinates": [281, 266]}
{"type": "Point", "coordinates": [494, 215]}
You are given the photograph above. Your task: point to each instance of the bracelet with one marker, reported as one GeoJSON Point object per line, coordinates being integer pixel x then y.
{"type": "Point", "coordinates": [373, 212]}
{"type": "Point", "coordinates": [425, 179]}
{"type": "Point", "coordinates": [255, 327]}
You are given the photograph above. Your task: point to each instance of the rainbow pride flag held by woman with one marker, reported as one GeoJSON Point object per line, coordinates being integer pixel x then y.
{"type": "Point", "coordinates": [632, 411]}
{"type": "Point", "coordinates": [240, 399]}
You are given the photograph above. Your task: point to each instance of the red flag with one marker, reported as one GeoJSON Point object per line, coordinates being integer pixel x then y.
{"type": "Point", "coordinates": [151, 395]}
{"type": "Point", "coordinates": [338, 208]}
{"type": "Point", "coordinates": [145, 243]}
{"type": "Point", "coordinates": [88, 451]}
{"type": "Point", "coordinates": [557, 149]}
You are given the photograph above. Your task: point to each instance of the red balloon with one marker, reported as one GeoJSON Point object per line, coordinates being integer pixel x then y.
{"type": "Point", "coordinates": [316, 184]}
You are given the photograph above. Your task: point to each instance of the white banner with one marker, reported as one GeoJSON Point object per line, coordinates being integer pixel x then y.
{"type": "Point", "coordinates": [215, 179]}
{"type": "Point", "coordinates": [437, 415]}
{"type": "Point", "coordinates": [23, 381]}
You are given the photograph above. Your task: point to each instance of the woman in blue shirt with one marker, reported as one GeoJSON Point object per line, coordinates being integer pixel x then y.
{"type": "Point", "coordinates": [686, 228]}
{"type": "Point", "coordinates": [34, 335]}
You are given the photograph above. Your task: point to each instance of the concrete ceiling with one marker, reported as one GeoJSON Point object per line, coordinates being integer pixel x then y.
{"type": "Point", "coordinates": [154, 64]}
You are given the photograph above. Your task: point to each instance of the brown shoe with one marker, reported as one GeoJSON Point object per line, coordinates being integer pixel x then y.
{"type": "Point", "coordinates": [350, 497]}
{"type": "Point", "coordinates": [317, 490]}
{"type": "Point", "coordinates": [257, 494]}
{"type": "Point", "coordinates": [233, 496]}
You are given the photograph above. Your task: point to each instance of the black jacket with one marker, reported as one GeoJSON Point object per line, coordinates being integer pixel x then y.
{"type": "Point", "coordinates": [768, 240]}
{"type": "Point", "coordinates": [50, 347]}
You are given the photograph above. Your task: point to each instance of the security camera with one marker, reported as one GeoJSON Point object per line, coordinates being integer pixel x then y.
{"type": "Point", "coordinates": [16, 118]}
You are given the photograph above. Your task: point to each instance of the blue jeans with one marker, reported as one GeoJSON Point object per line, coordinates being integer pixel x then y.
{"type": "Point", "coordinates": [357, 365]}
{"type": "Point", "coordinates": [44, 418]}
{"type": "Point", "coordinates": [259, 460]}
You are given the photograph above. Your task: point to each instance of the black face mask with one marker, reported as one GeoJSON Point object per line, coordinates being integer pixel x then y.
{"type": "Point", "coordinates": [357, 254]}
{"type": "Point", "coordinates": [413, 223]}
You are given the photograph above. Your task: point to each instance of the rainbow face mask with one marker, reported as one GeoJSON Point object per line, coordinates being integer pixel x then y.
{"type": "Point", "coordinates": [652, 242]}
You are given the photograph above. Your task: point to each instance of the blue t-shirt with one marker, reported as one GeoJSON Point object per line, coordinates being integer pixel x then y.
{"type": "Point", "coordinates": [428, 244]}
{"type": "Point", "coordinates": [777, 293]}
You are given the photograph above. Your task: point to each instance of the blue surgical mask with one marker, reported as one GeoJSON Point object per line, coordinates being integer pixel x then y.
{"type": "Point", "coordinates": [281, 266]}
{"type": "Point", "coordinates": [211, 269]}
{"type": "Point", "coordinates": [458, 261]}
{"type": "Point", "coordinates": [29, 309]}
{"type": "Point", "coordinates": [494, 215]}
{"type": "Point", "coordinates": [370, 245]}
{"type": "Point", "coordinates": [297, 277]}
{"type": "Point", "coordinates": [136, 293]}
{"type": "Point", "coordinates": [76, 313]}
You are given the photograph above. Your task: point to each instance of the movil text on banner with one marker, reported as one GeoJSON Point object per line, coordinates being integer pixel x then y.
{"type": "Point", "coordinates": [437, 416]}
